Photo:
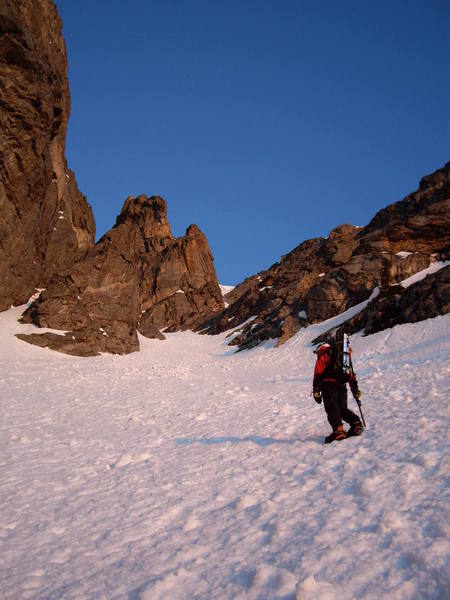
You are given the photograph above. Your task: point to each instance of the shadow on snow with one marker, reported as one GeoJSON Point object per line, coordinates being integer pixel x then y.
{"type": "Point", "coordinates": [254, 439]}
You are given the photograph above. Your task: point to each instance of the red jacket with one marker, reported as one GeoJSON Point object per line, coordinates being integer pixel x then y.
{"type": "Point", "coordinates": [325, 371]}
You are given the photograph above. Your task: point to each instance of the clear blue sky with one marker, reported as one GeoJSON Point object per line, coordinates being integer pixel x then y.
{"type": "Point", "coordinates": [263, 122]}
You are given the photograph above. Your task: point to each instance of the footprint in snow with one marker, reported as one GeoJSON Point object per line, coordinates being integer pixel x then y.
{"type": "Point", "coordinates": [366, 487]}
{"type": "Point", "coordinates": [58, 530]}
{"type": "Point", "coordinates": [59, 558]}
{"type": "Point", "coordinates": [129, 459]}
{"type": "Point", "coordinates": [191, 524]}
{"type": "Point", "coordinates": [275, 582]}
{"type": "Point", "coordinates": [311, 589]}
{"type": "Point", "coordinates": [246, 502]}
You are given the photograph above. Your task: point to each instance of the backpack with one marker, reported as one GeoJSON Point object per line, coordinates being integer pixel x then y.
{"type": "Point", "coordinates": [341, 354]}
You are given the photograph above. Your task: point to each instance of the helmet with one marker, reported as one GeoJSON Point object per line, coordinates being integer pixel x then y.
{"type": "Point", "coordinates": [321, 348]}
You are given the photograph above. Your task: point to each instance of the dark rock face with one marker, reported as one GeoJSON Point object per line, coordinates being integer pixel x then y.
{"type": "Point", "coordinates": [423, 300]}
{"type": "Point", "coordinates": [45, 222]}
{"type": "Point", "coordinates": [422, 218]}
{"type": "Point", "coordinates": [324, 277]}
{"type": "Point", "coordinates": [396, 305]}
{"type": "Point", "coordinates": [138, 277]}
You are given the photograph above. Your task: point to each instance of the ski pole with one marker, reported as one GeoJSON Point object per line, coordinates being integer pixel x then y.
{"type": "Point", "coordinates": [358, 402]}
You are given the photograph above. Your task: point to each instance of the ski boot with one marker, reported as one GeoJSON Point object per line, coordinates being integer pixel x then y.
{"type": "Point", "coordinates": [337, 435]}
{"type": "Point", "coordinates": [356, 428]}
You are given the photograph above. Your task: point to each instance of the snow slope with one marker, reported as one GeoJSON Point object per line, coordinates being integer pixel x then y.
{"type": "Point", "coordinates": [188, 472]}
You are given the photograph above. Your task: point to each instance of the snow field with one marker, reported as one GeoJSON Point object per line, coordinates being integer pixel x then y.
{"type": "Point", "coordinates": [186, 471]}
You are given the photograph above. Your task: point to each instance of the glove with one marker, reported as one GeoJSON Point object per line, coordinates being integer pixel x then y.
{"type": "Point", "coordinates": [357, 395]}
{"type": "Point", "coordinates": [317, 397]}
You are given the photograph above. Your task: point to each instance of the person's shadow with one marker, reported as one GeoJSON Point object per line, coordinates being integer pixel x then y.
{"type": "Point", "coordinates": [254, 439]}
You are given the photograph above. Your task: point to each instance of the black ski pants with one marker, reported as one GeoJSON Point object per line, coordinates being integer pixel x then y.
{"type": "Point", "coordinates": [334, 396]}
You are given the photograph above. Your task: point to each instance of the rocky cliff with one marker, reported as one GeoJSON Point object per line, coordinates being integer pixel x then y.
{"type": "Point", "coordinates": [138, 277]}
{"type": "Point", "coordinates": [45, 222]}
{"type": "Point", "coordinates": [325, 276]}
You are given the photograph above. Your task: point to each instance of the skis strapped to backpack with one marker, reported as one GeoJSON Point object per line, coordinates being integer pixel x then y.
{"type": "Point", "coordinates": [346, 355]}
{"type": "Point", "coordinates": [342, 356]}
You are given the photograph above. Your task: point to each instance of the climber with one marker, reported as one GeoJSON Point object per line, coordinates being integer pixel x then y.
{"type": "Point", "coordinates": [333, 370]}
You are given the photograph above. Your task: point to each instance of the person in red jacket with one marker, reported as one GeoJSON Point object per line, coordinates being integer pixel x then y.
{"type": "Point", "coordinates": [329, 383]}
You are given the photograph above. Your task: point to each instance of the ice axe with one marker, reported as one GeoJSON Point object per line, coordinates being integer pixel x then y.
{"type": "Point", "coordinates": [358, 402]}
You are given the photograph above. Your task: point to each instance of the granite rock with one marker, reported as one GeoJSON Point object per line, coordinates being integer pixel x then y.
{"type": "Point", "coordinates": [137, 278]}
{"type": "Point", "coordinates": [323, 277]}
{"type": "Point", "coordinates": [46, 224]}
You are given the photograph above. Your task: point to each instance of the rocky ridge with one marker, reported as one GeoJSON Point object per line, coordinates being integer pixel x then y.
{"type": "Point", "coordinates": [323, 277]}
{"type": "Point", "coordinates": [137, 278]}
{"type": "Point", "coordinates": [45, 222]}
